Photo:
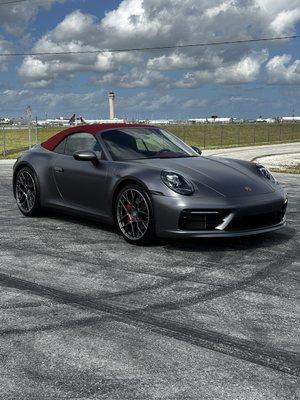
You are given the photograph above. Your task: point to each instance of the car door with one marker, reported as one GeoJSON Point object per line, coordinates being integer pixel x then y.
{"type": "Point", "coordinates": [81, 184]}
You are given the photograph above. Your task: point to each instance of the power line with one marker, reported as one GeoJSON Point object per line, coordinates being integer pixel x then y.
{"type": "Point", "coordinates": [12, 2]}
{"type": "Point", "coordinates": [7, 3]}
{"type": "Point", "coordinates": [59, 53]}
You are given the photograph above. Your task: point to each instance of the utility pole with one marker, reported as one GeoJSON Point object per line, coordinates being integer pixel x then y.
{"type": "Point", "coordinates": [36, 130]}
{"type": "Point", "coordinates": [29, 117]}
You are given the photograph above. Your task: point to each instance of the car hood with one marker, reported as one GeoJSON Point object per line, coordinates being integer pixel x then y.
{"type": "Point", "coordinates": [224, 176]}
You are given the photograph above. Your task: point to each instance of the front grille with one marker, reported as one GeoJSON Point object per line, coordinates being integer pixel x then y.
{"type": "Point", "coordinates": [199, 220]}
{"type": "Point", "coordinates": [247, 222]}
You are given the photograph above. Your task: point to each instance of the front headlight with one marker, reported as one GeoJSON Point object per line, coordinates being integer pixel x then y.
{"type": "Point", "coordinates": [177, 183]}
{"type": "Point", "coordinates": [265, 173]}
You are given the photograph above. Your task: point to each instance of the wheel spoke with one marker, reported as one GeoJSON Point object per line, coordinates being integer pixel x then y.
{"type": "Point", "coordinates": [123, 205]}
{"type": "Point", "coordinates": [139, 229]}
{"type": "Point", "coordinates": [143, 212]}
{"type": "Point", "coordinates": [25, 191]}
{"type": "Point", "coordinates": [133, 214]}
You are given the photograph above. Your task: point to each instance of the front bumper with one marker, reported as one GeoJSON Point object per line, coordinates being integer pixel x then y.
{"type": "Point", "coordinates": [169, 211]}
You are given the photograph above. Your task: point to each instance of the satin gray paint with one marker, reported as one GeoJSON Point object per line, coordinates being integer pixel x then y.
{"type": "Point", "coordinates": [80, 187]}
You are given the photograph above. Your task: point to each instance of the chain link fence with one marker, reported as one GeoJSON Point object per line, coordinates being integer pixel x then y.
{"type": "Point", "coordinates": [14, 140]}
{"type": "Point", "coordinates": [235, 135]}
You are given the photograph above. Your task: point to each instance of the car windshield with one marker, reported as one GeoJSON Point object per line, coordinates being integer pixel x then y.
{"type": "Point", "coordinates": [141, 143]}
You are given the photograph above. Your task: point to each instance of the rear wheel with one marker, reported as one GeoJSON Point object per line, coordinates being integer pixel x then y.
{"type": "Point", "coordinates": [27, 193]}
{"type": "Point", "coordinates": [134, 215]}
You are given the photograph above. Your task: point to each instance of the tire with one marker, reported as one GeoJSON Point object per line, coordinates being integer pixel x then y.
{"type": "Point", "coordinates": [133, 212]}
{"type": "Point", "coordinates": [27, 192]}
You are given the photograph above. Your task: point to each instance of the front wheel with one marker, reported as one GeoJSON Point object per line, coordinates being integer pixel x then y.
{"type": "Point", "coordinates": [134, 215]}
{"type": "Point", "coordinates": [27, 192]}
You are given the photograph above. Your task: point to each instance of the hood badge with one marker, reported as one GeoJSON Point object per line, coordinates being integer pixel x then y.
{"type": "Point", "coordinates": [247, 189]}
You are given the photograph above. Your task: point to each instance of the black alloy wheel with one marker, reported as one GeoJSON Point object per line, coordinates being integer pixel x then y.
{"type": "Point", "coordinates": [27, 193]}
{"type": "Point", "coordinates": [134, 215]}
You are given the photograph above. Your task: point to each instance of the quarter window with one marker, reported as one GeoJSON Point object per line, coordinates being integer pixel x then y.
{"type": "Point", "coordinates": [60, 148]}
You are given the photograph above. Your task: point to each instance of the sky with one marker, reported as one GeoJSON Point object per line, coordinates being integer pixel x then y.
{"type": "Point", "coordinates": [242, 80]}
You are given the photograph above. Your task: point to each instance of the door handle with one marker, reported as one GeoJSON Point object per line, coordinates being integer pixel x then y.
{"type": "Point", "coordinates": [58, 169]}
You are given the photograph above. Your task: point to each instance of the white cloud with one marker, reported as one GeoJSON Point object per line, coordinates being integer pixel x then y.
{"type": "Point", "coordinates": [282, 70]}
{"type": "Point", "coordinates": [48, 101]}
{"type": "Point", "coordinates": [194, 103]}
{"type": "Point", "coordinates": [172, 62]}
{"type": "Point", "coordinates": [73, 100]}
{"type": "Point", "coordinates": [285, 20]}
{"type": "Point", "coordinates": [5, 48]}
{"type": "Point", "coordinates": [11, 96]}
{"type": "Point", "coordinates": [134, 78]}
{"type": "Point", "coordinates": [84, 104]}
{"type": "Point", "coordinates": [16, 17]}
{"type": "Point", "coordinates": [241, 99]}
{"type": "Point", "coordinates": [245, 70]}
{"type": "Point", "coordinates": [145, 101]}
{"type": "Point", "coordinates": [216, 10]}
{"type": "Point", "coordinates": [151, 23]}
{"type": "Point", "coordinates": [281, 16]}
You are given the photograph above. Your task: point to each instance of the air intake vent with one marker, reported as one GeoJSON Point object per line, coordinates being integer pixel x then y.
{"type": "Point", "coordinates": [248, 222]}
{"type": "Point", "coordinates": [200, 220]}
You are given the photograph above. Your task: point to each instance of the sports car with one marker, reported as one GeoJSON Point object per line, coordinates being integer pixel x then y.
{"type": "Point", "coordinates": [148, 183]}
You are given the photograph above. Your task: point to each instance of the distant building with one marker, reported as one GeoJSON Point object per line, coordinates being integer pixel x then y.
{"type": "Point", "coordinates": [5, 121]}
{"type": "Point", "coordinates": [290, 119]}
{"type": "Point", "coordinates": [74, 121]}
{"type": "Point", "coordinates": [267, 120]}
{"type": "Point", "coordinates": [212, 120]}
{"type": "Point", "coordinates": [198, 120]}
{"type": "Point", "coordinates": [160, 121]}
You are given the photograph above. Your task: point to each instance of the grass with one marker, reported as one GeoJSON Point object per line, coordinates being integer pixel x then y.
{"type": "Point", "coordinates": [231, 135]}
{"type": "Point", "coordinates": [292, 169]}
{"type": "Point", "coordinates": [16, 140]}
{"type": "Point", "coordinates": [203, 135]}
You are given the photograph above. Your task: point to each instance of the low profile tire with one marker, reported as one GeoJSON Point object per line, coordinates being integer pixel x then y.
{"type": "Point", "coordinates": [27, 192]}
{"type": "Point", "coordinates": [134, 215]}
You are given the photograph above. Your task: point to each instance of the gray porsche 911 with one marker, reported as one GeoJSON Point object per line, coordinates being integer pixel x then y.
{"type": "Point", "coordinates": [148, 183]}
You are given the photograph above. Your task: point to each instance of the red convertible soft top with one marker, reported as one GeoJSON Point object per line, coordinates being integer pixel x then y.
{"type": "Point", "coordinates": [52, 142]}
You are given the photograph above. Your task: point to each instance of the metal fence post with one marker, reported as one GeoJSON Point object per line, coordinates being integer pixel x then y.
{"type": "Point", "coordinates": [222, 129]}
{"type": "Point", "coordinates": [204, 144]}
{"type": "Point", "coordinates": [280, 132]}
{"type": "Point", "coordinates": [4, 141]}
{"type": "Point", "coordinates": [36, 130]}
{"type": "Point", "coordinates": [29, 136]}
{"type": "Point", "coordinates": [29, 117]}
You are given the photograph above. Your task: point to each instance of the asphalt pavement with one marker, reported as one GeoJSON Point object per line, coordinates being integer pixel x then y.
{"type": "Point", "coordinates": [84, 315]}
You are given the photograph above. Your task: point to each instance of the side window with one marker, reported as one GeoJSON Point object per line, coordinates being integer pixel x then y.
{"type": "Point", "coordinates": [79, 142]}
{"type": "Point", "coordinates": [60, 148]}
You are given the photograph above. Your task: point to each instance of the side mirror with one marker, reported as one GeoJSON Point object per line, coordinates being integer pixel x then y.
{"type": "Point", "coordinates": [86, 156]}
{"type": "Point", "coordinates": [196, 149]}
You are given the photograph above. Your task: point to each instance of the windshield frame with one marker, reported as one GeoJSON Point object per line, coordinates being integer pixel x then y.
{"type": "Point", "coordinates": [188, 150]}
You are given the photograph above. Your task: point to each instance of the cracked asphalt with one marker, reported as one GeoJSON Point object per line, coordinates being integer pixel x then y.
{"type": "Point", "coordinates": [84, 315]}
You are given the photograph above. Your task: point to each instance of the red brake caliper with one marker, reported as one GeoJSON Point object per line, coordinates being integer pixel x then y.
{"type": "Point", "coordinates": [128, 208]}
